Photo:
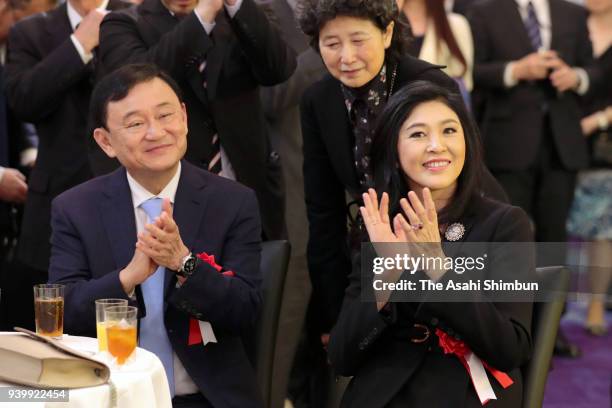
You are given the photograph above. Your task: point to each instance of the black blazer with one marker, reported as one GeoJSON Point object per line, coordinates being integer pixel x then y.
{"type": "Point", "coordinates": [241, 54]}
{"type": "Point", "coordinates": [329, 172]}
{"type": "Point", "coordinates": [513, 120]}
{"type": "Point", "coordinates": [216, 216]}
{"type": "Point", "coordinates": [391, 371]}
{"type": "Point", "coordinates": [49, 86]}
{"type": "Point", "coordinates": [13, 141]}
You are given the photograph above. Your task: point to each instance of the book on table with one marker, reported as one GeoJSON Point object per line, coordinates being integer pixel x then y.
{"type": "Point", "coordinates": [29, 359]}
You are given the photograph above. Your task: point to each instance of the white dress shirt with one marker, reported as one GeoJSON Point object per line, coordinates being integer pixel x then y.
{"type": "Point", "coordinates": [183, 384]}
{"type": "Point", "coordinates": [75, 19]}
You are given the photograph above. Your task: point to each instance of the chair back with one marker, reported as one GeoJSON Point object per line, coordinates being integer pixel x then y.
{"type": "Point", "coordinates": [544, 326]}
{"type": "Point", "coordinates": [274, 262]}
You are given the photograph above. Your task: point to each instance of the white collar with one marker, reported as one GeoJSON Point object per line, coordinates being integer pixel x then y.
{"type": "Point", "coordinates": [542, 11]}
{"type": "Point", "coordinates": [292, 4]}
{"type": "Point", "coordinates": [75, 18]}
{"type": "Point", "coordinates": [141, 194]}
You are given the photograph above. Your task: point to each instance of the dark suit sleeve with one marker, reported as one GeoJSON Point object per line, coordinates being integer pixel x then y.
{"type": "Point", "coordinates": [35, 84]}
{"type": "Point", "coordinates": [358, 326]}
{"type": "Point", "coordinates": [488, 74]}
{"type": "Point", "coordinates": [271, 60]}
{"type": "Point", "coordinates": [499, 333]}
{"type": "Point", "coordinates": [276, 99]}
{"type": "Point", "coordinates": [326, 210]}
{"type": "Point", "coordinates": [230, 303]}
{"type": "Point", "coordinates": [69, 265]}
{"type": "Point", "coordinates": [121, 43]}
{"type": "Point", "coordinates": [584, 52]}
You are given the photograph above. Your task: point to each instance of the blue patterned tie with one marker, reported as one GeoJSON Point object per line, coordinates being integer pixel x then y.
{"type": "Point", "coordinates": [533, 27]}
{"type": "Point", "coordinates": [153, 335]}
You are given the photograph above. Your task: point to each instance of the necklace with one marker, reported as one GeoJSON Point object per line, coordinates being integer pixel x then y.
{"type": "Point", "coordinates": [393, 75]}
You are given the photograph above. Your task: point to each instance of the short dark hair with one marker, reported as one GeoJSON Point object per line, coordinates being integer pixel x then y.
{"type": "Point", "coordinates": [116, 85]}
{"type": "Point", "coordinates": [386, 165]}
{"type": "Point", "coordinates": [314, 14]}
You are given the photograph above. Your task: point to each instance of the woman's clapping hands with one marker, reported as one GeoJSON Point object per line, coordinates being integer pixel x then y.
{"type": "Point", "coordinates": [420, 223]}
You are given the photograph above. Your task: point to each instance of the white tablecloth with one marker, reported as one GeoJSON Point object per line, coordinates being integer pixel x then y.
{"type": "Point", "coordinates": [140, 383]}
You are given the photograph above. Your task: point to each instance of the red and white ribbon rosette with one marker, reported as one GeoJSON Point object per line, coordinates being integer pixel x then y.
{"type": "Point", "coordinates": [201, 331]}
{"type": "Point", "coordinates": [475, 367]}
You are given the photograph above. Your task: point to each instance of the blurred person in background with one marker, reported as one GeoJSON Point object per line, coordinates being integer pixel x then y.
{"type": "Point", "coordinates": [591, 215]}
{"type": "Point", "coordinates": [18, 142]}
{"type": "Point", "coordinates": [49, 75]}
{"type": "Point", "coordinates": [532, 60]}
{"type": "Point", "coordinates": [441, 38]}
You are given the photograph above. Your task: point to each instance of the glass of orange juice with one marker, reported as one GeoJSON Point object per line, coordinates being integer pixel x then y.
{"type": "Point", "coordinates": [120, 323]}
{"type": "Point", "coordinates": [102, 304]}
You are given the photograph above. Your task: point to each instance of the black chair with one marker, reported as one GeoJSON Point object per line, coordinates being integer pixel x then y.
{"type": "Point", "coordinates": [544, 326]}
{"type": "Point", "coordinates": [274, 262]}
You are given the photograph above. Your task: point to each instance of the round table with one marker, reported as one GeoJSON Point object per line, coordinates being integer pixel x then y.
{"type": "Point", "coordinates": [141, 382]}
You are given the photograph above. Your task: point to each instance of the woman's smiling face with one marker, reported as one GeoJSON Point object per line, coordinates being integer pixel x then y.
{"type": "Point", "coordinates": [431, 148]}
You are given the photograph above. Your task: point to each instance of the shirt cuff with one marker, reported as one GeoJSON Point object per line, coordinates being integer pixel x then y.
{"type": "Point", "coordinates": [584, 83]}
{"type": "Point", "coordinates": [232, 10]}
{"type": "Point", "coordinates": [208, 27]}
{"type": "Point", "coordinates": [85, 56]}
{"type": "Point", "coordinates": [2, 172]}
{"type": "Point", "coordinates": [28, 156]}
{"type": "Point", "coordinates": [132, 294]}
{"type": "Point", "coordinates": [509, 80]}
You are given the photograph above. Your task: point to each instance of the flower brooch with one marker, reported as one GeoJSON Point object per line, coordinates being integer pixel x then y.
{"type": "Point", "coordinates": [454, 232]}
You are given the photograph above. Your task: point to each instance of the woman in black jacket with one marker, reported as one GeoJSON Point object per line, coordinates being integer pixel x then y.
{"type": "Point", "coordinates": [363, 46]}
{"type": "Point", "coordinates": [427, 163]}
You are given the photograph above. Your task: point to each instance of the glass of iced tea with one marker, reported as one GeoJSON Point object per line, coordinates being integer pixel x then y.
{"type": "Point", "coordinates": [49, 309]}
{"type": "Point", "coordinates": [120, 322]}
{"type": "Point", "coordinates": [102, 304]}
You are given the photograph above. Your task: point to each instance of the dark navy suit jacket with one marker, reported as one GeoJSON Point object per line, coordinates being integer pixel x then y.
{"type": "Point", "coordinates": [94, 236]}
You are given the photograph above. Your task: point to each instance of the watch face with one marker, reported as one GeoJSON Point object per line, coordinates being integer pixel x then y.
{"type": "Point", "coordinates": [190, 265]}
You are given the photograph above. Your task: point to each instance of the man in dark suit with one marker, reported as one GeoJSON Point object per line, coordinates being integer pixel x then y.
{"type": "Point", "coordinates": [49, 72]}
{"type": "Point", "coordinates": [219, 53]}
{"type": "Point", "coordinates": [156, 217]}
{"type": "Point", "coordinates": [13, 191]}
{"type": "Point", "coordinates": [18, 151]}
{"type": "Point", "coordinates": [529, 59]}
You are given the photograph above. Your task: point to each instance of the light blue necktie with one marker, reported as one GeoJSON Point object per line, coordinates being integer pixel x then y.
{"type": "Point", "coordinates": [153, 335]}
